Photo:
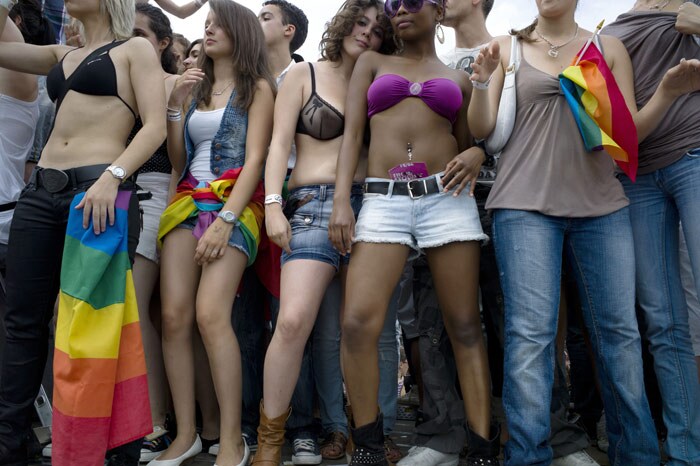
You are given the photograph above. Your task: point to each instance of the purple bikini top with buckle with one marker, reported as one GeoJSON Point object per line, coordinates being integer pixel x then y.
{"type": "Point", "coordinates": [442, 95]}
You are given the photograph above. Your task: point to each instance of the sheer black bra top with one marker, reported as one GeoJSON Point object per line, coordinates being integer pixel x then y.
{"type": "Point", "coordinates": [318, 118]}
{"type": "Point", "coordinates": [95, 75]}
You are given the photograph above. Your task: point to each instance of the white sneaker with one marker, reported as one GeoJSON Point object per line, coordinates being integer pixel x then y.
{"type": "Point", "coordinates": [580, 458]}
{"type": "Point", "coordinates": [46, 451]}
{"type": "Point", "coordinates": [424, 456]}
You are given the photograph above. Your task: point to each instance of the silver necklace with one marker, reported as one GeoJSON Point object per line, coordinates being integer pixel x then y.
{"type": "Point", "coordinates": [554, 49]}
{"type": "Point", "coordinates": [213, 92]}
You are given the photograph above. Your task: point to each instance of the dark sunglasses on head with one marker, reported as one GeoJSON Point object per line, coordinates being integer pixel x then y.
{"type": "Point", "coordinates": [391, 7]}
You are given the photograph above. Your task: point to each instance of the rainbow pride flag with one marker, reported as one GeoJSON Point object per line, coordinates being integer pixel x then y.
{"type": "Point", "coordinates": [204, 200]}
{"type": "Point", "coordinates": [600, 110]}
{"type": "Point", "coordinates": [100, 388]}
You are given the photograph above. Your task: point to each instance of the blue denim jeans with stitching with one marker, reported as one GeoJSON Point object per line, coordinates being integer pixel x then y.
{"type": "Point", "coordinates": [529, 248]}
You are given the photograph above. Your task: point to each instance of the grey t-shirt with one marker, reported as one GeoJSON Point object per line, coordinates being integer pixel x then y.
{"type": "Point", "coordinates": [654, 46]}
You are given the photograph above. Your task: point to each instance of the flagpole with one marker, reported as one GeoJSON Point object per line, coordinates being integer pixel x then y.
{"type": "Point", "coordinates": [589, 42]}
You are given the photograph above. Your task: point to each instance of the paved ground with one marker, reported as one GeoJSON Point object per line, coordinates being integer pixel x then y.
{"type": "Point", "coordinates": [402, 437]}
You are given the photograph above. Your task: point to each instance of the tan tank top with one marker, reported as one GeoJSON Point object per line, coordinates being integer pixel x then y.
{"type": "Point", "coordinates": [545, 166]}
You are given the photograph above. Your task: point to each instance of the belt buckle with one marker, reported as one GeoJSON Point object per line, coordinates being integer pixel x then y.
{"type": "Point", "coordinates": [410, 188]}
{"type": "Point", "coordinates": [53, 180]}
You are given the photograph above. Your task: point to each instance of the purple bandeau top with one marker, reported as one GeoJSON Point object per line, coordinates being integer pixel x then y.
{"type": "Point", "coordinates": [442, 95]}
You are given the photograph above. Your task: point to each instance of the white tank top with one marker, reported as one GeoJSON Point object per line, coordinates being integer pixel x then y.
{"type": "Point", "coordinates": [202, 128]}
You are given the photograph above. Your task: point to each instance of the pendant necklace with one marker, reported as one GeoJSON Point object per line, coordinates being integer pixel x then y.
{"type": "Point", "coordinates": [554, 49]}
{"type": "Point", "coordinates": [213, 92]}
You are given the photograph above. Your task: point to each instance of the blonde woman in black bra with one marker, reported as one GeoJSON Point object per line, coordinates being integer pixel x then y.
{"type": "Point", "coordinates": [98, 102]}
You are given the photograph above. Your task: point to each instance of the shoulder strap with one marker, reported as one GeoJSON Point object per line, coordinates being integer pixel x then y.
{"type": "Point", "coordinates": [514, 61]}
{"type": "Point", "coordinates": [313, 79]}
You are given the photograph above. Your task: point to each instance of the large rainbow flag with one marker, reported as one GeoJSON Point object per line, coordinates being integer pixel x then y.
{"type": "Point", "coordinates": [100, 386]}
{"type": "Point", "coordinates": [599, 108]}
{"type": "Point", "coordinates": [204, 200]}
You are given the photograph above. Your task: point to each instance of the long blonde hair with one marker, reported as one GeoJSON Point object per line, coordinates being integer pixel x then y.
{"type": "Point", "coordinates": [121, 17]}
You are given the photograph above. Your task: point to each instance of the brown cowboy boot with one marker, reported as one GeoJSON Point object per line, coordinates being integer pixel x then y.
{"type": "Point", "coordinates": [270, 439]}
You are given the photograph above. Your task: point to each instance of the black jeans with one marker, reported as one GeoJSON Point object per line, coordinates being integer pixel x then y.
{"type": "Point", "coordinates": [34, 257]}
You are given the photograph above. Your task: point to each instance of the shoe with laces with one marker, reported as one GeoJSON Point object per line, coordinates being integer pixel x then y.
{"type": "Point", "coordinates": [251, 441]}
{"type": "Point", "coordinates": [424, 456]}
{"type": "Point", "coordinates": [579, 458]}
{"type": "Point", "coordinates": [305, 451]}
{"type": "Point", "coordinates": [154, 444]}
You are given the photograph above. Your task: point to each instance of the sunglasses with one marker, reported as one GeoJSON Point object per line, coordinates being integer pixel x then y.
{"type": "Point", "coordinates": [391, 7]}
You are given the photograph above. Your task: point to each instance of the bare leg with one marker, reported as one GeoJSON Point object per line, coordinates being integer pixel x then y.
{"type": "Point", "coordinates": [179, 281]}
{"type": "Point", "coordinates": [204, 390]}
{"type": "Point", "coordinates": [373, 273]}
{"type": "Point", "coordinates": [303, 284]}
{"type": "Point", "coordinates": [455, 269]}
{"type": "Point", "coordinates": [145, 278]}
{"type": "Point", "coordinates": [217, 290]}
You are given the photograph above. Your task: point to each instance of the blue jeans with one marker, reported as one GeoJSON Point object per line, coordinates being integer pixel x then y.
{"type": "Point", "coordinates": [659, 200]}
{"type": "Point", "coordinates": [326, 364]}
{"type": "Point", "coordinates": [529, 248]}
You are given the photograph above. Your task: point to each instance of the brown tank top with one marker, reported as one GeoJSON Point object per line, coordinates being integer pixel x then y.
{"type": "Point", "coordinates": [545, 166]}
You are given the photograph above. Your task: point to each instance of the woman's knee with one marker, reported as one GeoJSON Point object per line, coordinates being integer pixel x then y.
{"type": "Point", "coordinates": [176, 320]}
{"type": "Point", "coordinates": [212, 321]}
{"type": "Point", "coordinates": [465, 331]}
{"type": "Point", "coordinates": [360, 327]}
{"type": "Point", "coordinates": [293, 327]}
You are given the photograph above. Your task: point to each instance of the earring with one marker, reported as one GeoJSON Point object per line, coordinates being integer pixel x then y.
{"type": "Point", "coordinates": [440, 33]}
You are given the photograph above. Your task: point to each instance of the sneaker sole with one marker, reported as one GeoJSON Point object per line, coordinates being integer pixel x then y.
{"type": "Point", "coordinates": [307, 460]}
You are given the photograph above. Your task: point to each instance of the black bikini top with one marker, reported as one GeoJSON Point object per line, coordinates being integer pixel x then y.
{"type": "Point", "coordinates": [318, 118]}
{"type": "Point", "coordinates": [95, 75]}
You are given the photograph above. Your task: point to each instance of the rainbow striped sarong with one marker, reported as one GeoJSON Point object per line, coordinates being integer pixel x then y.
{"type": "Point", "coordinates": [100, 386]}
{"type": "Point", "coordinates": [204, 200]}
{"type": "Point", "coordinates": [600, 110]}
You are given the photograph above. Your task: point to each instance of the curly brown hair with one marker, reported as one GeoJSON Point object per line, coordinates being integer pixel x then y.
{"type": "Point", "coordinates": [342, 23]}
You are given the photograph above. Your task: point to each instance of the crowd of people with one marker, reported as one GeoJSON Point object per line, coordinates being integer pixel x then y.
{"type": "Point", "coordinates": [294, 227]}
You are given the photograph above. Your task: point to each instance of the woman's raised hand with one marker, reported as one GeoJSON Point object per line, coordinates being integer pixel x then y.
{"type": "Point", "coordinates": [682, 79]}
{"type": "Point", "coordinates": [213, 243]}
{"type": "Point", "coordinates": [183, 86]}
{"type": "Point", "coordinates": [341, 228]}
{"type": "Point", "coordinates": [277, 227]}
{"type": "Point", "coordinates": [486, 62]}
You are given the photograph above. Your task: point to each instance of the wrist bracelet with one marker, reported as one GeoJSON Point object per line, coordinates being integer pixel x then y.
{"type": "Point", "coordinates": [9, 4]}
{"type": "Point", "coordinates": [274, 199]}
{"type": "Point", "coordinates": [172, 110]}
{"type": "Point", "coordinates": [482, 86]}
{"type": "Point", "coordinates": [174, 116]}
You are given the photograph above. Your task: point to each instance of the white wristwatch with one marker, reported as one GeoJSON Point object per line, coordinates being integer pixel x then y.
{"type": "Point", "coordinates": [117, 172]}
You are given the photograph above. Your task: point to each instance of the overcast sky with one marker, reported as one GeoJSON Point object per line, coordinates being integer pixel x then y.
{"type": "Point", "coordinates": [505, 15]}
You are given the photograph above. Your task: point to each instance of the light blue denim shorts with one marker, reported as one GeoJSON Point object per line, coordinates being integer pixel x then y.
{"type": "Point", "coordinates": [425, 222]}
{"type": "Point", "coordinates": [309, 210]}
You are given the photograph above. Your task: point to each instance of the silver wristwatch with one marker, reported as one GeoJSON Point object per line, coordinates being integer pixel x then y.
{"type": "Point", "coordinates": [117, 172]}
{"type": "Point", "coordinates": [228, 217]}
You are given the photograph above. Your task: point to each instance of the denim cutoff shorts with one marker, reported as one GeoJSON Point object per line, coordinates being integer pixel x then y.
{"type": "Point", "coordinates": [426, 222]}
{"type": "Point", "coordinates": [236, 240]}
{"type": "Point", "coordinates": [309, 210]}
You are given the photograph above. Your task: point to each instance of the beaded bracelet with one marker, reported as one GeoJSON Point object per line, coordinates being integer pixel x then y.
{"type": "Point", "coordinates": [482, 86]}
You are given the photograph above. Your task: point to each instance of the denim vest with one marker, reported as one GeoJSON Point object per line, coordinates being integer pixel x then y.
{"type": "Point", "coordinates": [228, 145]}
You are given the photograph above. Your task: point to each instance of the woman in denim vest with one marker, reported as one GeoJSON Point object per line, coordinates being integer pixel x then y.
{"type": "Point", "coordinates": [211, 228]}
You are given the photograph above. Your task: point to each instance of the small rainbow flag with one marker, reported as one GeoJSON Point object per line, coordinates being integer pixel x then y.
{"type": "Point", "coordinates": [204, 200]}
{"type": "Point", "coordinates": [599, 108]}
{"type": "Point", "coordinates": [100, 387]}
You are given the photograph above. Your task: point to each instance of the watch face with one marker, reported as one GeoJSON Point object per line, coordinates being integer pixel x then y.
{"type": "Point", "coordinates": [228, 216]}
{"type": "Point", "coordinates": [119, 172]}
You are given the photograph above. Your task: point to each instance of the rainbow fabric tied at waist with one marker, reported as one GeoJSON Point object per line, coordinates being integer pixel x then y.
{"type": "Point", "coordinates": [600, 110]}
{"type": "Point", "coordinates": [100, 387]}
{"type": "Point", "coordinates": [204, 200]}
